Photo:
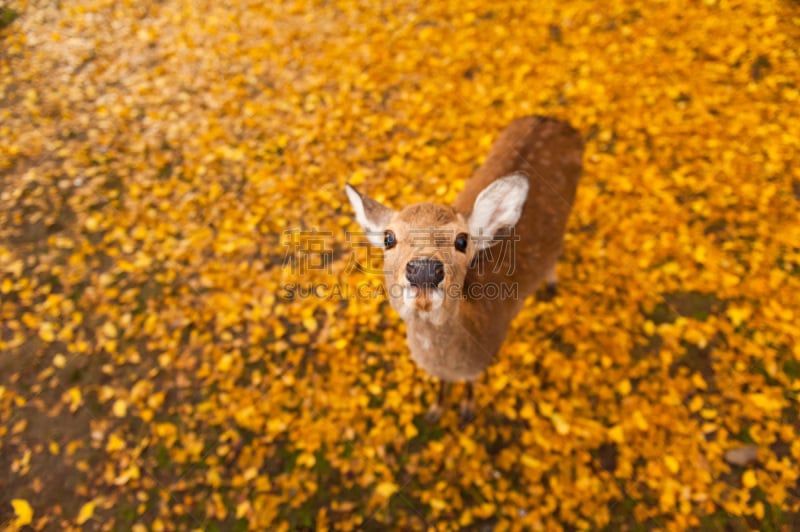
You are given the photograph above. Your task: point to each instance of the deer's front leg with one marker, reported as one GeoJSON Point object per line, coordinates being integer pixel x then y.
{"type": "Point", "coordinates": [467, 410]}
{"type": "Point", "coordinates": [435, 410]}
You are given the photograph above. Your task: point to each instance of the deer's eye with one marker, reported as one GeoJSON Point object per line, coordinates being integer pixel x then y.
{"type": "Point", "coordinates": [389, 240]}
{"type": "Point", "coordinates": [462, 239]}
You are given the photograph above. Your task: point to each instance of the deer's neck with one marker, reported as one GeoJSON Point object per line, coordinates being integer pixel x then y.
{"type": "Point", "coordinates": [458, 348]}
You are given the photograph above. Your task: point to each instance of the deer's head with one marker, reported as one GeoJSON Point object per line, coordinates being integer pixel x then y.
{"type": "Point", "coordinates": [428, 247]}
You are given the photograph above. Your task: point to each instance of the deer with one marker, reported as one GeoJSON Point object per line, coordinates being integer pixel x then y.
{"type": "Point", "coordinates": [458, 274]}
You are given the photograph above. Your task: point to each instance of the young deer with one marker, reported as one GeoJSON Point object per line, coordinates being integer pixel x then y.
{"type": "Point", "coordinates": [458, 275]}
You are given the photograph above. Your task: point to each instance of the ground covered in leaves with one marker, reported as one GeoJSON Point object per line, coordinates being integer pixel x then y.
{"type": "Point", "coordinates": [158, 160]}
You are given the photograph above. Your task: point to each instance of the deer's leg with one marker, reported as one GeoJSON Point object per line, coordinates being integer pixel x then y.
{"type": "Point", "coordinates": [551, 281]}
{"type": "Point", "coordinates": [435, 410]}
{"type": "Point", "coordinates": [467, 410]}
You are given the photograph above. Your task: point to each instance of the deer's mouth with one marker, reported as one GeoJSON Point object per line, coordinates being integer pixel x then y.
{"type": "Point", "coordinates": [425, 298]}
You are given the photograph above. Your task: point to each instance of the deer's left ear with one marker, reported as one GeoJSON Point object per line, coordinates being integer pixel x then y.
{"type": "Point", "coordinates": [372, 215]}
{"type": "Point", "coordinates": [499, 205]}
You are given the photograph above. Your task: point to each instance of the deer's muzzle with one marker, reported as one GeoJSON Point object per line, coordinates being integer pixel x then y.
{"type": "Point", "coordinates": [425, 273]}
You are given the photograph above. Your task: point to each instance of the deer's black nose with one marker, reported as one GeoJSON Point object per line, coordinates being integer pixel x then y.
{"type": "Point", "coordinates": [425, 273]}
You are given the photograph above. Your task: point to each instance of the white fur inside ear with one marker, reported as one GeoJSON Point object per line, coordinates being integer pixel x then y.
{"type": "Point", "coordinates": [358, 205]}
{"type": "Point", "coordinates": [498, 205]}
{"type": "Point", "coordinates": [371, 215]}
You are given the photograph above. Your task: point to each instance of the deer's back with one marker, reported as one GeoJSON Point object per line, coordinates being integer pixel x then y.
{"type": "Point", "coordinates": [550, 152]}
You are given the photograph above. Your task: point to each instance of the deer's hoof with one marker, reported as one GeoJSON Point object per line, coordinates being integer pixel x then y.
{"type": "Point", "coordinates": [434, 413]}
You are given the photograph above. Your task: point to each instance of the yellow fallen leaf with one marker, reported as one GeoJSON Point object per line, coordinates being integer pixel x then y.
{"type": "Point", "coordinates": [125, 476]}
{"type": "Point", "coordinates": [274, 426]}
{"type": "Point", "coordinates": [310, 324]}
{"type": "Point", "coordinates": [467, 443]}
{"type": "Point", "coordinates": [243, 509]}
{"type": "Point", "coordinates": [546, 409]}
{"type": "Point", "coordinates": [749, 479]}
{"type": "Point", "coordinates": [225, 362]}
{"type": "Point", "coordinates": [499, 383]}
{"type": "Point", "coordinates": [109, 330]}
{"type": "Point", "coordinates": [74, 397]}
{"type": "Point", "coordinates": [23, 511]}
{"type": "Point", "coordinates": [696, 404]}
{"type": "Point", "coordinates": [699, 382]}
{"type": "Point", "coordinates": [700, 254]}
{"type": "Point", "coordinates": [484, 510]}
{"type": "Point", "coordinates": [356, 178]}
{"type": "Point", "coordinates": [92, 223]}
{"type": "Point", "coordinates": [672, 463]}
{"type": "Point", "coordinates": [438, 504]}
{"type": "Point", "coordinates": [115, 443]}
{"type": "Point", "coordinates": [86, 512]}
{"type": "Point", "coordinates": [764, 402]}
{"type": "Point", "coordinates": [640, 421]}
{"type": "Point", "coordinates": [616, 434]}
{"type": "Point", "coordinates": [386, 489]}
{"type": "Point", "coordinates": [527, 411]}
{"type": "Point", "coordinates": [529, 461]}
{"type": "Point", "coordinates": [46, 332]}
{"type": "Point", "coordinates": [19, 426]}
{"type": "Point", "coordinates": [562, 427]}
{"type": "Point", "coordinates": [739, 315]}
{"type": "Point", "coordinates": [119, 408]}
{"type": "Point", "coordinates": [306, 459]}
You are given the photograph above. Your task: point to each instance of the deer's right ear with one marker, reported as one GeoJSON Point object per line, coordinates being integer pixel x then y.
{"type": "Point", "coordinates": [373, 216]}
{"type": "Point", "coordinates": [499, 205]}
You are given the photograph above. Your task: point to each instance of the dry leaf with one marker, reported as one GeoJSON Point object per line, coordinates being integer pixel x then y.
{"type": "Point", "coordinates": [742, 456]}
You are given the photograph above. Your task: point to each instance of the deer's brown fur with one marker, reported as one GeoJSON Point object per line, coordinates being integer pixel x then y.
{"type": "Point", "coordinates": [454, 332]}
